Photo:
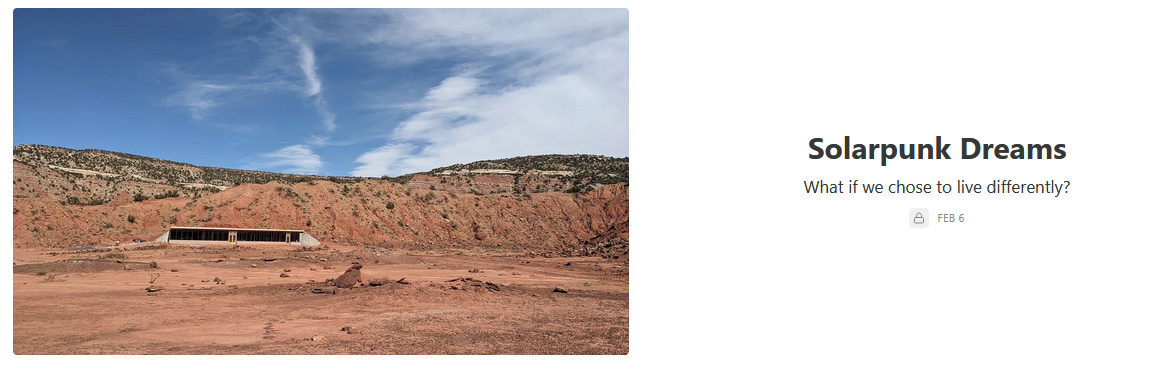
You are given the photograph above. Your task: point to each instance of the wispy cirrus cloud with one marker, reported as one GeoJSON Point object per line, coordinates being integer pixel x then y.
{"type": "Point", "coordinates": [313, 86]}
{"type": "Point", "coordinates": [309, 70]}
{"type": "Point", "coordinates": [198, 97]}
{"type": "Point", "coordinates": [200, 94]}
{"type": "Point", "coordinates": [297, 159]}
{"type": "Point", "coordinates": [289, 64]}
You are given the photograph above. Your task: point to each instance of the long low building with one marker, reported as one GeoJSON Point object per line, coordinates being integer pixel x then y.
{"type": "Point", "coordinates": [236, 235]}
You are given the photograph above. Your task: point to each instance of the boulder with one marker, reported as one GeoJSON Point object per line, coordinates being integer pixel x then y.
{"type": "Point", "coordinates": [350, 277]}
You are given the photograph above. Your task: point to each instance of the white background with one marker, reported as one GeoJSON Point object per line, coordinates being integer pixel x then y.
{"type": "Point", "coordinates": [734, 265]}
{"type": "Point", "coordinates": [769, 274]}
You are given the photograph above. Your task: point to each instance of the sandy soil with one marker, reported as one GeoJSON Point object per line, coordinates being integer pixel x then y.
{"type": "Point", "coordinates": [96, 302]}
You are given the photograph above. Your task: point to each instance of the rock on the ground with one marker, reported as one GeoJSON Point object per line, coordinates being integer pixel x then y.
{"type": "Point", "coordinates": [283, 275]}
{"type": "Point", "coordinates": [153, 289]}
{"type": "Point", "coordinates": [325, 290]}
{"type": "Point", "coordinates": [350, 277]}
{"type": "Point", "coordinates": [153, 264]}
{"type": "Point", "coordinates": [402, 281]}
{"type": "Point", "coordinates": [559, 290]}
{"type": "Point", "coordinates": [379, 281]}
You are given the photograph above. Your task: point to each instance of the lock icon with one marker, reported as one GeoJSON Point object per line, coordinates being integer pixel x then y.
{"type": "Point", "coordinates": [917, 218]}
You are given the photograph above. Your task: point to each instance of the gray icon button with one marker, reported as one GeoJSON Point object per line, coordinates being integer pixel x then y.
{"type": "Point", "coordinates": [919, 218]}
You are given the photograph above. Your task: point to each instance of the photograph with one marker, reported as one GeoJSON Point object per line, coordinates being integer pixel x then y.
{"type": "Point", "coordinates": [320, 182]}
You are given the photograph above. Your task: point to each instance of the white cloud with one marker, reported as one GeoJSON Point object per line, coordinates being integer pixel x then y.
{"type": "Point", "coordinates": [375, 163]}
{"type": "Point", "coordinates": [453, 88]}
{"type": "Point", "coordinates": [318, 141]}
{"type": "Point", "coordinates": [297, 159]}
{"type": "Point", "coordinates": [198, 97]}
{"type": "Point", "coordinates": [567, 93]}
{"type": "Point", "coordinates": [306, 63]}
{"type": "Point", "coordinates": [313, 87]}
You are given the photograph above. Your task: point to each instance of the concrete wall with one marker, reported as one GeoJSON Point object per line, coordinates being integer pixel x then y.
{"type": "Point", "coordinates": [308, 240]}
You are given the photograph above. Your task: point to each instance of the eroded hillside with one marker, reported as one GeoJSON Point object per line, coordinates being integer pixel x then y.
{"type": "Point", "coordinates": [523, 210]}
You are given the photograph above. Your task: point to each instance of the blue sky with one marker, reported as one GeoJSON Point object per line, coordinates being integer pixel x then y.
{"type": "Point", "coordinates": [331, 92]}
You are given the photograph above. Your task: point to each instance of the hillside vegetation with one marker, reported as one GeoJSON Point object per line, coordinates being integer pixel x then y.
{"type": "Point", "coordinates": [135, 167]}
{"type": "Point", "coordinates": [557, 204]}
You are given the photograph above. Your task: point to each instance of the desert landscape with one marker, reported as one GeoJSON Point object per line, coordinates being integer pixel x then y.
{"type": "Point", "coordinates": [272, 299]}
{"type": "Point", "coordinates": [464, 260]}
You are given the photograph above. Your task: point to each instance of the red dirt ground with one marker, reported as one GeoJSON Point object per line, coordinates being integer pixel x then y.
{"type": "Point", "coordinates": [96, 303]}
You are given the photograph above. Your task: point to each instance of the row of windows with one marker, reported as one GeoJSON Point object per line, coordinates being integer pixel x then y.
{"type": "Point", "coordinates": [212, 235]}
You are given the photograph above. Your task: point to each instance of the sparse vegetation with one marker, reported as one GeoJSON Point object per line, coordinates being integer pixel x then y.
{"type": "Point", "coordinates": [122, 165]}
{"type": "Point", "coordinates": [70, 200]}
{"type": "Point", "coordinates": [581, 170]}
